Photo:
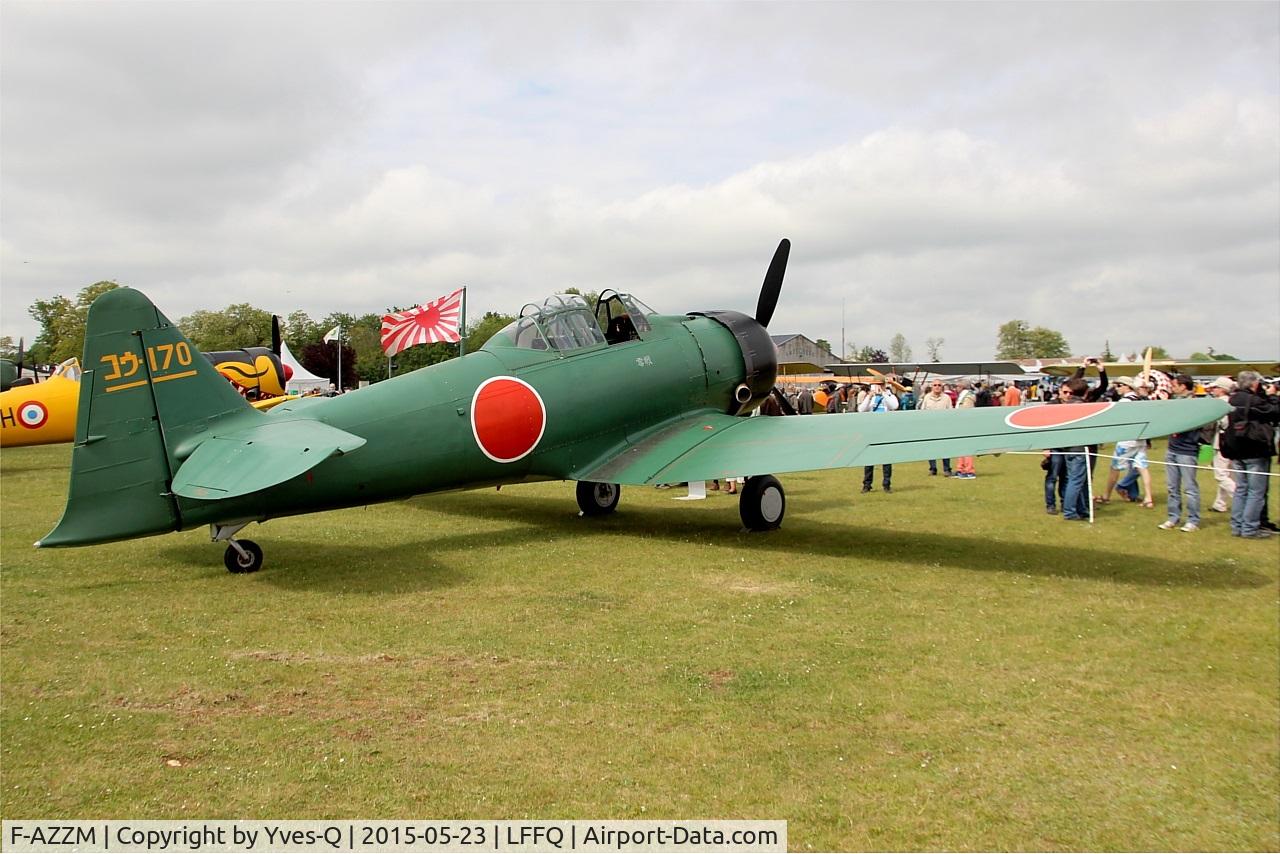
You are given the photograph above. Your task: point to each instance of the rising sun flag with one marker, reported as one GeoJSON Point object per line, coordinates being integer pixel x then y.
{"type": "Point", "coordinates": [431, 323]}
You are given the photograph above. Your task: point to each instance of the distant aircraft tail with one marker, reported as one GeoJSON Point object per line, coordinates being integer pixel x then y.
{"type": "Point", "coordinates": [147, 399]}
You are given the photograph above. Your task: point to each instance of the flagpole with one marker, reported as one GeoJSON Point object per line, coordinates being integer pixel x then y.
{"type": "Point", "coordinates": [339, 342]}
{"type": "Point", "coordinates": [462, 327]}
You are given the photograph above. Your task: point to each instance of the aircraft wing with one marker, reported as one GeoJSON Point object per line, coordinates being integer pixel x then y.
{"type": "Point", "coordinates": [946, 369]}
{"type": "Point", "coordinates": [272, 402]}
{"type": "Point", "coordinates": [715, 445]}
{"type": "Point", "coordinates": [1230, 367]}
{"type": "Point", "coordinates": [258, 457]}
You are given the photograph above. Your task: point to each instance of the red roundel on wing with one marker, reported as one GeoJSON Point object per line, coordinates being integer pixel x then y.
{"type": "Point", "coordinates": [1039, 417]}
{"type": "Point", "coordinates": [507, 418]}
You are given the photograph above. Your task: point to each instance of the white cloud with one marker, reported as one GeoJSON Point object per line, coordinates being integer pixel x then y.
{"type": "Point", "coordinates": [1111, 171]}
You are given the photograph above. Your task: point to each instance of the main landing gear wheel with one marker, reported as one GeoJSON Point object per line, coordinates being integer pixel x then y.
{"type": "Point", "coordinates": [243, 556]}
{"type": "Point", "coordinates": [598, 499]}
{"type": "Point", "coordinates": [763, 503]}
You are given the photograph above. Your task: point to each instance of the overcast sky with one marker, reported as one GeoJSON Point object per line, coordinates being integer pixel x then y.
{"type": "Point", "coordinates": [1108, 170]}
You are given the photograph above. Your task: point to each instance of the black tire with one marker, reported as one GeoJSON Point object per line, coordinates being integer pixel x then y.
{"type": "Point", "coordinates": [598, 499]}
{"type": "Point", "coordinates": [239, 563]}
{"type": "Point", "coordinates": [763, 503]}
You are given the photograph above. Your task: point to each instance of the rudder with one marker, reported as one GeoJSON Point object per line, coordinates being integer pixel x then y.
{"type": "Point", "coordinates": [147, 399]}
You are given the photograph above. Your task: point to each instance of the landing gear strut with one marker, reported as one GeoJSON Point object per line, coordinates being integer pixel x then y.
{"type": "Point", "coordinates": [241, 555]}
{"type": "Point", "coordinates": [598, 499]}
{"type": "Point", "coordinates": [762, 504]}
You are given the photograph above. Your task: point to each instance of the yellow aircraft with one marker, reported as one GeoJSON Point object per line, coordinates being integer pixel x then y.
{"type": "Point", "coordinates": [41, 413]}
{"type": "Point", "coordinates": [44, 413]}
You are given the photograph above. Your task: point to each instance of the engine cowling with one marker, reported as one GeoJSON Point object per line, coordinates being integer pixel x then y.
{"type": "Point", "coordinates": [759, 358]}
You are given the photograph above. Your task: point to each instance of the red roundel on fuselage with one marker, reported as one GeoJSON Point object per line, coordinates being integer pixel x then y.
{"type": "Point", "coordinates": [32, 414]}
{"type": "Point", "coordinates": [507, 418]}
{"type": "Point", "coordinates": [1040, 417]}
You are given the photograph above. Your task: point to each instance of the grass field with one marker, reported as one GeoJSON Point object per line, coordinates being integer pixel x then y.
{"type": "Point", "coordinates": [944, 667]}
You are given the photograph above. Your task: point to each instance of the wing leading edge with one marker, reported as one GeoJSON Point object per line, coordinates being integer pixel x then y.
{"type": "Point", "coordinates": [714, 445]}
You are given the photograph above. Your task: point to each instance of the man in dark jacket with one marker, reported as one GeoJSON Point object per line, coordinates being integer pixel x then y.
{"type": "Point", "coordinates": [1098, 392]}
{"type": "Point", "coordinates": [1181, 460]}
{"type": "Point", "coordinates": [1249, 441]}
{"type": "Point", "coordinates": [1075, 498]}
{"type": "Point", "coordinates": [804, 403]}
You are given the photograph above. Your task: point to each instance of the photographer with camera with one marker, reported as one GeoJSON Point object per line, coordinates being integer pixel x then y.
{"type": "Point", "coordinates": [1249, 440]}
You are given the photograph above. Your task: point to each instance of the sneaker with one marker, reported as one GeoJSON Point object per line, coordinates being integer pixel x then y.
{"type": "Point", "coordinates": [1257, 535]}
{"type": "Point", "coordinates": [1167, 525]}
{"type": "Point", "coordinates": [1052, 511]}
{"type": "Point", "coordinates": [866, 489]}
{"type": "Point", "coordinates": [968, 476]}
{"type": "Point", "coordinates": [1270, 526]}
{"type": "Point", "coordinates": [1189, 527]}
{"type": "Point", "coordinates": [887, 489]}
{"type": "Point", "coordinates": [933, 474]}
{"type": "Point", "coordinates": [1216, 509]}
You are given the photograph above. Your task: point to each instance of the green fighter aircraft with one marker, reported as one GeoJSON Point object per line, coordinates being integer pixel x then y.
{"type": "Point", "coordinates": [617, 396]}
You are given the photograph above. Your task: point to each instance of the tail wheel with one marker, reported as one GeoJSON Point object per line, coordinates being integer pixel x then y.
{"type": "Point", "coordinates": [598, 499]}
{"type": "Point", "coordinates": [763, 503]}
{"type": "Point", "coordinates": [248, 560]}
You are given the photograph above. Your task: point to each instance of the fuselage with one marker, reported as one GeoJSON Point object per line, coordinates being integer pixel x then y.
{"type": "Point", "coordinates": [41, 413]}
{"type": "Point", "coordinates": [473, 421]}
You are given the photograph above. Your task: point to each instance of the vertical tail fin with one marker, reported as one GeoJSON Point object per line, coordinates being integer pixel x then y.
{"type": "Point", "coordinates": [147, 398]}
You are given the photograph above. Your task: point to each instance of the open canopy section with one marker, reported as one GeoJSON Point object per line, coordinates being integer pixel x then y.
{"type": "Point", "coordinates": [565, 323]}
{"type": "Point", "coordinates": [622, 317]}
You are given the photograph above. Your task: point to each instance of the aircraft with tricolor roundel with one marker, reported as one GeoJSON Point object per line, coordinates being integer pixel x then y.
{"type": "Point", "coordinates": [44, 413]}
{"type": "Point", "coordinates": [41, 413]}
{"type": "Point", "coordinates": [164, 444]}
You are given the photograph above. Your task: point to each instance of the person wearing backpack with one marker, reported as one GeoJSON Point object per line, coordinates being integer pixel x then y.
{"type": "Point", "coordinates": [1249, 441]}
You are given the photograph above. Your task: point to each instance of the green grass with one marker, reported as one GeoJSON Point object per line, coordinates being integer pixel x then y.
{"type": "Point", "coordinates": [944, 667]}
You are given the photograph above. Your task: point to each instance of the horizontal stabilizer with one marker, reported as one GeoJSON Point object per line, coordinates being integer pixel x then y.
{"type": "Point", "coordinates": [261, 456]}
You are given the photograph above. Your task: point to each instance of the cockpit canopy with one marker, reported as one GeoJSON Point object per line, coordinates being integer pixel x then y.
{"type": "Point", "coordinates": [564, 323]}
{"type": "Point", "coordinates": [70, 369]}
{"type": "Point", "coordinates": [622, 316]}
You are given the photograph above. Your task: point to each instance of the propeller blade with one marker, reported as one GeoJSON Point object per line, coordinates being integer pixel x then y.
{"type": "Point", "coordinates": [772, 286]}
{"type": "Point", "coordinates": [275, 334]}
{"type": "Point", "coordinates": [787, 408]}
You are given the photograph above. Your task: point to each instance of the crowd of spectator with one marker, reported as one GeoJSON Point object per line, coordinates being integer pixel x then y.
{"type": "Point", "coordinates": [1242, 442]}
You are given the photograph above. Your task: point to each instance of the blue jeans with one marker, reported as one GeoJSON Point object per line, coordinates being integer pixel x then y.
{"type": "Point", "coordinates": [1055, 481]}
{"type": "Point", "coordinates": [869, 474]}
{"type": "Point", "coordinates": [1075, 502]}
{"type": "Point", "coordinates": [1251, 488]}
{"type": "Point", "coordinates": [1180, 474]}
{"type": "Point", "coordinates": [946, 466]}
{"type": "Point", "coordinates": [1129, 483]}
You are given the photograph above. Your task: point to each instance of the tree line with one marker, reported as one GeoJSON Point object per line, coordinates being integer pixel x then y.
{"type": "Point", "coordinates": [62, 321]}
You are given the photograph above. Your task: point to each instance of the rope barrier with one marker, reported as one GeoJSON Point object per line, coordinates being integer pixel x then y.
{"type": "Point", "coordinates": [1149, 462]}
{"type": "Point", "coordinates": [1088, 469]}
